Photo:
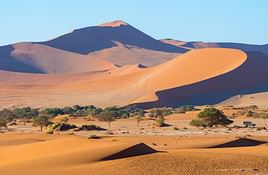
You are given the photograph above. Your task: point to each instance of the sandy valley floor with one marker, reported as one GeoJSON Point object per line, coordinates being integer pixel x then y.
{"type": "Point", "coordinates": [131, 150]}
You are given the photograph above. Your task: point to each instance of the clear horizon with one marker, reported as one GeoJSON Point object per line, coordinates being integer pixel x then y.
{"type": "Point", "coordinates": [241, 21]}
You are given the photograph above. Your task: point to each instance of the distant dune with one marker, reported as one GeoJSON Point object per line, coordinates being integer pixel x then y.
{"type": "Point", "coordinates": [200, 44]}
{"type": "Point", "coordinates": [116, 64]}
{"type": "Point", "coordinates": [119, 86]}
{"type": "Point", "coordinates": [90, 39]}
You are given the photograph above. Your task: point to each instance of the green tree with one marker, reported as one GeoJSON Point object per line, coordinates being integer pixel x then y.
{"type": "Point", "coordinates": [155, 113]}
{"type": "Point", "coordinates": [107, 116]}
{"type": "Point", "coordinates": [210, 117]}
{"type": "Point", "coordinates": [160, 121]}
{"type": "Point", "coordinates": [25, 113]}
{"type": "Point", "coordinates": [41, 120]}
{"type": "Point", "coordinates": [3, 123]}
{"type": "Point", "coordinates": [138, 115]}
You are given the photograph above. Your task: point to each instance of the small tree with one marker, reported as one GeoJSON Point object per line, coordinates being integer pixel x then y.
{"type": "Point", "coordinates": [155, 112]}
{"type": "Point", "coordinates": [210, 117]}
{"type": "Point", "coordinates": [138, 119]}
{"type": "Point", "coordinates": [3, 123]}
{"type": "Point", "coordinates": [160, 121]}
{"type": "Point", "coordinates": [7, 115]}
{"type": "Point", "coordinates": [41, 121]}
{"type": "Point", "coordinates": [25, 113]}
{"type": "Point", "coordinates": [138, 115]}
{"type": "Point", "coordinates": [107, 116]}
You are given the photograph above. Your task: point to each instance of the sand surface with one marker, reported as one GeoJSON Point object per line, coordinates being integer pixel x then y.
{"type": "Point", "coordinates": [117, 86]}
{"type": "Point", "coordinates": [69, 155]}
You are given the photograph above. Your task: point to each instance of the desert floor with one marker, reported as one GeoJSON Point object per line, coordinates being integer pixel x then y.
{"type": "Point", "coordinates": [129, 149]}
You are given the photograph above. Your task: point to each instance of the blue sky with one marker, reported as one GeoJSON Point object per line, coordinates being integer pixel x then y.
{"type": "Point", "coordinates": [244, 21]}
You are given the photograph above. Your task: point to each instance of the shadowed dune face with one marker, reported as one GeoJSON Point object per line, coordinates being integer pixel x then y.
{"type": "Point", "coordinates": [135, 150]}
{"type": "Point", "coordinates": [240, 46]}
{"type": "Point", "coordinates": [247, 78]}
{"type": "Point", "coordinates": [37, 58]}
{"type": "Point", "coordinates": [88, 49]}
{"type": "Point", "coordinates": [7, 63]}
{"type": "Point", "coordinates": [120, 86]}
{"type": "Point", "coordinates": [241, 142]}
{"type": "Point", "coordinates": [69, 155]}
{"type": "Point", "coordinates": [96, 38]}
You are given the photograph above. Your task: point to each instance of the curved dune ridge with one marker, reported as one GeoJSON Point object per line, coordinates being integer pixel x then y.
{"type": "Point", "coordinates": [194, 66]}
{"type": "Point", "coordinates": [118, 86]}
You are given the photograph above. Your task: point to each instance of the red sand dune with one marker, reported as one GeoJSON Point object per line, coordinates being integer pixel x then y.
{"type": "Point", "coordinates": [116, 64]}
{"type": "Point", "coordinates": [119, 86]}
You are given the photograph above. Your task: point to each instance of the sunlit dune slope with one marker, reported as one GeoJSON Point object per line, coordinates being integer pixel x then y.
{"type": "Point", "coordinates": [118, 86]}
{"type": "Point", "coordinates": [44, 59]}
{"type": "Point", "coordinates": [68, 155]}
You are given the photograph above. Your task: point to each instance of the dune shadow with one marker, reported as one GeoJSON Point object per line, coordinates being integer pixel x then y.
{"type": "Point", "coordinates": [241, 142]}
{"type": "Point", "coordinates": [91, 39]}
{"type": "Point", "coordinates": [8, 63]}
{"type": "Point", "coordinates": [133, 151]}
{"type": "Point", "coordinates": [246, 79]}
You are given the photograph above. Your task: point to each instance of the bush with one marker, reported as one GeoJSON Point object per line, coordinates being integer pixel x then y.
{"type": "Point", "coordinates": [185, 108]}
{"type": "Point", "coordinates": [159, 112]}
{"type": "Point", "coordinates": [41, 121]}
{"type": "Point", "coordinates": [61, 127]}
{"type": "Point", "coordinates": [91, 127]}
{"type": "Point", "coordinates": [52, 112]}
{"type": "Point", "coordinates": [262, 115]}
{"type": "Point", "coordinates": [198, 122]}
{"type": "Point", "coordinates": [160, 121]}
{"type": "Point", "coordinates": [3, 123]}
{"type": "Point", "coordinates": [50, 130]}
{"type": "Point", "coordinates": [93, 136]}
{"type": "Point", "coordinates": [107, 116]}
{"type": "Point", "coordinates": [210, 117]}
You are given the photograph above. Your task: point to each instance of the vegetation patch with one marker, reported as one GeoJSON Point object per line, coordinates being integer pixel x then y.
{"type": "Point", "coordinates": [210, 117]}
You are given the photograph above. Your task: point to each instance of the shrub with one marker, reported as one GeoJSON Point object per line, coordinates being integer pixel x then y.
{"type": "Point", "coordinates": [160, 121]}
{"type": "Point", "coordinates": [175, 128]}
{"type": "Point", "coordinates": [3, 123]}
{"type": "Point", "coordinates": [41, 121]}
{"type": "Point", "coordinates": [185, 108]}
{"type": "Point", "coordinates": [50, 130]}
{"type": "Point", "coordinates": [263, 115]}
{"type": "Point", "coordinates": [210, 117]}
{"type": "Point", "coordinates": [52, 112]}
{"type": "Point", "coordinates": [7, 115]}
{"type": "Point", "coordinates": [198, 122]}
{"type": "Point", "coordinates": [91, 127]}
{"type": "Point", "coordinates": [93, 136]}
{"type": "Point", "coordinates": [107, 116]}
{"type": "Point", "coordinates": [61, 126]}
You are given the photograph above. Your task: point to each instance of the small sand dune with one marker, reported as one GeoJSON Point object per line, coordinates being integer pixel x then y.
{"type": "Point", "coordinates": [69, 155]}
{"type": "Point", "coordinates": [135, 150]}
{"type": "Point", "coordinates": [241, 142]}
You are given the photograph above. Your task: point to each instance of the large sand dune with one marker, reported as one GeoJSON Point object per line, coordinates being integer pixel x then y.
{"type": "Point", "coordinates": [116, 64]}
{"type": "Point", "coordinates": [118, 86]}
{"type": "Point", "coordinates": [104, 36]}
{"type": "Point", "coordinates": [88, 49]}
